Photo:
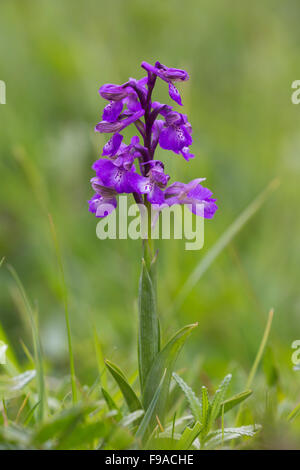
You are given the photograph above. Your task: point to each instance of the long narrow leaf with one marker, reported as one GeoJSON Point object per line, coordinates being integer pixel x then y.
{"type": "Point", "coordinates": [145, 427]}
{"type": "Point", "coordinates": [258, 357]}
{"type": "Point", "coordinates": [131, 399]}
{"type": "Point", "coordinates": [165, 360]}
{"type": "Point", "coordinates": [148, 338]}
{"type": "Point", "coordinates": [36, 344]}
{"type": "Point", "coordinates": [234, 401]}
{"type": "Point", "coordinates": [218, 399]}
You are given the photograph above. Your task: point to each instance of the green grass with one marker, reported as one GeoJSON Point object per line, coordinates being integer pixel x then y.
{"type": "Point", "coordinates": [242, 60]}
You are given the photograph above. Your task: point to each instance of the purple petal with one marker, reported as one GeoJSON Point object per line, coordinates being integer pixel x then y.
{"type": "Point", "coordinates": [155, 195]}
{"type": "Point", "coordinates": [107, 127]}
{"type": "Point", "coordinates": [174, 94]}
{"type": "Point", "coordinates": [137, 183]}
{"type": "Point", "coordinates": [113, 145]}
{"type": "Point", "coordinates": [172, 74]}
{"type": "Point", "coordinates": [101, 206]}
{"type": "Point", "coordinates": [174, 138]}
{"type": "Point", "coordinates": [186, 153]}
{"type": "Point", "coordinates": [109, 91]}
{"type": "Point", "coordinates": [112, 111]}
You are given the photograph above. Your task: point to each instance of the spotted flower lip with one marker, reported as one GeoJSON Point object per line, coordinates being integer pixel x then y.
{"type": "Point", "coordinates": [101, 206]}
{"type": "Point", "coordinates": [104, 200]}
{"type": "Point", "coordinates": [118, 178]}
{"type": "Point", "coordinates": [156, 181]}
{"type": "Point", "coordinates": [169, 75]}
{"type": "Point", "coordinates": [176, 135]}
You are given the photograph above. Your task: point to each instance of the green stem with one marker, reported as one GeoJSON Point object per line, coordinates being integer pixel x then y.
{"type": "Point", "coordinates": [148, 329]}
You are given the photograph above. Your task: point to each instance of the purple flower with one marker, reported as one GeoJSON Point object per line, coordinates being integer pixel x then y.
{"type": "Point", "coordinates": [156, 180]}
{"type": "Point", "coordinates": [169, 75]}
{"type": "Point", "coordinates": [112, 92]}
{"type": "Point", "coordinates": [126, 154]}
{"type": "Point", "coordinates": [118, 178]}
{"type": "Point", "coordinates": [101, 206]}
{"type": "Point", "coordinates": [112, 146]}
{"type": "Point", "coordinates": [112, 111]}
{"type": "Point", "coordinates": [176, 135]}
{"type": "Point", "coordinates": [119, 125]}
{"type": "Point", "coordinates": [131, 103]}
{"type": "Point", "coordinates": [104, 201]}
{"type": "Point", "coordinates": [193, 194]}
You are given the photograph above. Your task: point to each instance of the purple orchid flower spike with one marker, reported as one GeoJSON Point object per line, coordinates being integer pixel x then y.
{"type": "Point", "coordinates": [157, 123]}
{"type": "Point", "coordinates": [134, 169]}
{"type": "Point", "coordinates": [194, 195]}
{"type": "Point", "coordinates": [169, 75]}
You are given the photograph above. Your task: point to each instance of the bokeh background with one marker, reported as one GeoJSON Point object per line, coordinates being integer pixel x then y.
{"type": "Point", "coordinates": [242, 59]}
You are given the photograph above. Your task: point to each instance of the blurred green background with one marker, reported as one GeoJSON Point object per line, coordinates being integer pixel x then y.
{"type": "Point", "coordinates": [242, 58]}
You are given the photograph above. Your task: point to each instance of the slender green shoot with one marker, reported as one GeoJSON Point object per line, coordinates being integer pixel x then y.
{"type": "Point", "coordinates": [65, 300]}
{"type": "Point", "coordinates": [258, 357]}
{"type": "Point", "coordinates": [36, 345]}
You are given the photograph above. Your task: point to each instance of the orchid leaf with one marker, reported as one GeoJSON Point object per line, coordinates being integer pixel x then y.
{"type": "Point", "coordinates": [165, 360]}
{"type": "Point", "coordinates": [148, 420]}
{"type": "Point", "coordinates": [148, 336]}
{"type": "Point", "coordinates": [129, 395]}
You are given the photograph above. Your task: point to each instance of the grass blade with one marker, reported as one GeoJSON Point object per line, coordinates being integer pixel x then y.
{"type": "Point", "coordinates": [36, 345]}
{"type": "Point", "coordinates": [100, 358]}
{"type": "Point", "coordinates": [66, 307]}
{"type": "Point", "coordinates": [294, 413]}
{"type": "Point", "coordinates": [223, 241]}
{"type": "Point", "coordinates": [258, 357]}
